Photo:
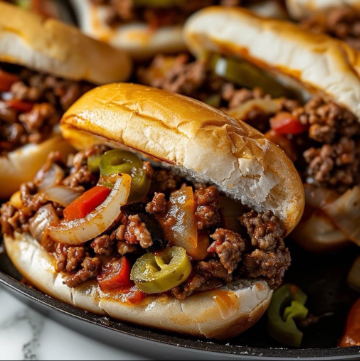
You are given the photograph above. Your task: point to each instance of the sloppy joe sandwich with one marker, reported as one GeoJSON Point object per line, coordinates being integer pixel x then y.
{"type": "Point", "coordinates": [171, 215]}
{"type": "Point", "coordinates": [337, 18]}
{"type": "Point", "coordinates": [145, 28]}
{"type": "Point", "coordinates": [44, 67]}
{"type": "Point", "coordinates": [300, 89]}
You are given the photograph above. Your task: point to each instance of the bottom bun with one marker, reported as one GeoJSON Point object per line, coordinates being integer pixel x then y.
{"type": "Point", "coordinates": [21, 165]}
{"type": "Point", "coordinates": [219, 314]}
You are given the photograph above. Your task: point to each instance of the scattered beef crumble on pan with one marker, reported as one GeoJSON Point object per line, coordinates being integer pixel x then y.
{"type": "Point", "coordinates": [255, 249]}
{"type": "Point", "coordinates": [32, 104]}
{"type": "Point", "coordinates": [326, 151]}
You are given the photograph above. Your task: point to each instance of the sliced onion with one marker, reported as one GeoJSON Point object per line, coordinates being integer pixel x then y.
{"type": "Point", "coordinates": [317, 197]}
{"type": "Point", "coordinates": [345, 214]}
{"type": "Point", "coordinates": [98, 221]}
{"type": "Point", "coordinates": [63, 195]}
{"type": "Point", "coordinates": [42, 219]}
{"type": "Point", "coordinates": [317, 234]}
{"type": "Point", "coordinates": [49, 178]}
{"type": "Point", "coordinates": [267, 106]}
{"type": "Point", "coordinates": [231, 210]}
{"type": "Point", "coordinates": [353, 278]}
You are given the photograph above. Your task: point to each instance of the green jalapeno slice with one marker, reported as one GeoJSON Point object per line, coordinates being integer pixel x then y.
{"type": "Point", "coordinates": [160, 272]}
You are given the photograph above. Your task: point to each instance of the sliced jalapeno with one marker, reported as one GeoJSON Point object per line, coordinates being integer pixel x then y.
{"type": "Point", "coordinates": [120, 161]}
{"type": "Point", "coordinates": [93, 163]}
{"type": "Point", "coordinates": [161, 272]}
{"type": "Point", "coordinates": [248, 75]}
{"type": "Point", "coordinates": [281, 319]}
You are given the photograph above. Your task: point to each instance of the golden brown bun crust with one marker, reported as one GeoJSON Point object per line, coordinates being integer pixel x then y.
{"type": "Point", "coordinates": [196, 138]}
{"type": "Point", "coordinates": [53, 47]}
{"type": "Point", "coordinates": [21, 165]}
{"type": "Point", "coordinates": [219, 314]}
{"type": "Point", "coordinates": [299, 9]}
{"type": "Point", "coordinates": [317, 62]}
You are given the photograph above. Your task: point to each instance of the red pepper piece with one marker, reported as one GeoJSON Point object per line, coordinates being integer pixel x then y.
{"type": "Point", "coordinates": [116, 276]}
{"type": "Point", "coordinates": [286, 123]}
{"type": "Point", "coordinates": [7, 80]}
{"type": "Point", "coordinates": [86, 203]}
{"type": "Point", "coordinates": [20, 105]}
{"type": "Point", "coordinates": [135, 296]}
{"type": "Point", "coordinates": [352, 330]}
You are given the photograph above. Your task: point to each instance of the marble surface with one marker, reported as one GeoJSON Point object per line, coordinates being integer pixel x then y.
{"type": "Point", "coordinates": [27, 335]}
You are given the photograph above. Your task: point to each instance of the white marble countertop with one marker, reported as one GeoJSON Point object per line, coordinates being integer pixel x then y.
{"type": "Point", "coordinates": [27, 335]}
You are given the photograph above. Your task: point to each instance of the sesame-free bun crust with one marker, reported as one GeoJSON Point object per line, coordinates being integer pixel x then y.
{"type": "Point", "coordinates": [21, 165]}
{"type": "Point", "coordinates": [220, 314]}
{"type": "Point", "coordinates": [314, 63]}
{"type": "Point", "coordinates": [50, 46]}
{"type": "Point", "coordinates": [299, 9]}
{"type": "Point", "coordinates": [197, 139]}
{"type": "Point", "coordinates": [136, 38]}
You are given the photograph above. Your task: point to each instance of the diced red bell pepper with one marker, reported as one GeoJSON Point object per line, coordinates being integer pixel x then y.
{"type": "Point", "coordinates": [116, 276]}
{"type": "Point", "coordinates": [20, 105]}
{"type": "Point", "coordinates": [7, 80]}
{"type": "Point", "coordinates": [286, 123]}
{"type": "Point", "coordinates": [135, 296]}
{"type": "Point", "coordinates": [86, 203]}
{"type": "Point", "coordinates": [352, 330]}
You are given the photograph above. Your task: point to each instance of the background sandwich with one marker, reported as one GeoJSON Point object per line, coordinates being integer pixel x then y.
{"type": "Point", "coordinates": [337, 18]}
{"type": "Point", "coordinates": [180, 240]}
{"type": "Point", "coordinates": [44, 67]}
{"type": "Point", "coordinates": [145, 28]}
{"type": "Point", "coordinates": [300, 89]}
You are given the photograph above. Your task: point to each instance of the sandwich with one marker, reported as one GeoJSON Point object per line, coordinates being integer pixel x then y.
{"type": "Point", "coordinates": [44, 67]}
{"type": "Point", "coordinates": [337, 18]}
{"type": "Point", "coordinates": [145, 28]}
{"type": "Point", "coordinates": [172, 215]}
{"type": "Point", "coordinates": [300, 89]}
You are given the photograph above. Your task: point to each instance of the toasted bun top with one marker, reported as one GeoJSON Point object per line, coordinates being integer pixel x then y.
{"type": "Point", "coordinates": [56, 48]}
{"type": "Point", "coordinates": [197, 139]}
{"type": "Point", "coordinates": [316, 62]}
{"type": "Point", "coordinates": [299, 9]}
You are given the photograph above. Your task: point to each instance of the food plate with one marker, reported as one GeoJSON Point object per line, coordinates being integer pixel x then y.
{"type": "Point", "coordinates": [321, 277]}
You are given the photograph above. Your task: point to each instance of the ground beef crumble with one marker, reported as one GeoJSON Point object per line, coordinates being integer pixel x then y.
{"type": "Point", "coordinates": [33, 105]}
{"type": "Point", "coordinates": [229, 255]}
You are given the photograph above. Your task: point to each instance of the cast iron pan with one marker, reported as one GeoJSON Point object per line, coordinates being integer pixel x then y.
{"type": "Point", "coordinates": [322, 277]}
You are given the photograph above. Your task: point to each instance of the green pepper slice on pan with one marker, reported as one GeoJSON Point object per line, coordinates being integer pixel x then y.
{"type": "Point", "coordinates": [161, 272]}
{"type": "Point", "coordinates": [120, 161]}
{"type": "Point", "coordinates": [281, 319]}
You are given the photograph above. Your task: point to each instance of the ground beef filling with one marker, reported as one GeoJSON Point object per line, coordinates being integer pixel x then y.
{"type": "Point", "coordinates": [31, 104]}
{"type": "Point", "coordinates": [342, 23]}
{"type": "Point", "coordinates": [327, 153]}
{"type": "Point", "coordinates": [258, 252]}
{"type": "Point", "coordinates": [126, 11]}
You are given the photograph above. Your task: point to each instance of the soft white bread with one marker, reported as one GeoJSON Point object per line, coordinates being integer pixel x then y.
{"type": "Point", "coordinates": [50, 46]}
{"type": "Point", "coordinates": [197, 139]}
{"type": "Point", "coordinates": [312, 62]}
{"type": "Point", "coordinates": [21, 165]}
{"type": "Point", "coordinates": [220, 314]}
{"type": "Point", "coordinates": [135, 38]}
{"type": "Point", "coordinates": [299, 9]}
